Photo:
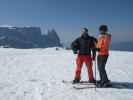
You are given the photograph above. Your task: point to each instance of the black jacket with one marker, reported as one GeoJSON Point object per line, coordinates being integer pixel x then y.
{"type": "Point", "coordinates": [84, 45]}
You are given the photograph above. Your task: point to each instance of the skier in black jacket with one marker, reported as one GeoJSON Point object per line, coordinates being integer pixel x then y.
{"type": "Point", "coordinates": [84, 46]}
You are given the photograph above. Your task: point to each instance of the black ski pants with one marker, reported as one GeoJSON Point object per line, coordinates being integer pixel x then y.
{"type": "Point", "coordinates": [101, 62]}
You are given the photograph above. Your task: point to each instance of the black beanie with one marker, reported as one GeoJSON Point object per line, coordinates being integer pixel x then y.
{"type": "Point", "coordinates": [86, 30]}
{"type": "Point", "coordinates": [103, 28]}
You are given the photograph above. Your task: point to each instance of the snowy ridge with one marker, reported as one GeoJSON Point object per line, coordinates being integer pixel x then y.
{"type": "Point", "coordinates": [37, 74]}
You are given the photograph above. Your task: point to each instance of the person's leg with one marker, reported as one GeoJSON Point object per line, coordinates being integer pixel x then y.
{"type": "Point", "coordinates": [79, 63]}
{"type": "Point", "coordinates": [88, 62]}
{"type": "Point", "coordinates": [105, 77]}
{"type": "Point", "coordinates": [99, 63]}
{"type": "Point", "coordinates": [101, 60]}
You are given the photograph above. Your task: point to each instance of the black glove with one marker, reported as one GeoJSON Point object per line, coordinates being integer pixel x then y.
{"type": "Point", "coordinates": [93, 58]}
{"type": "Point", "coordinates": [75, 51]}
{"type": "Point", "coordinates": [98, 49]}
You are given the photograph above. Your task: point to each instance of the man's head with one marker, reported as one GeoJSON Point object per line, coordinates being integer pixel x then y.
{"type": "Point", "coordinates": [103, 29]}
{"type": "Point", "coordinates": [84, 31]}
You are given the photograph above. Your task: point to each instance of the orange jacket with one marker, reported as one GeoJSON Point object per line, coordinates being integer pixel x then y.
{"type": "Point", "coordinates": [103, 44]}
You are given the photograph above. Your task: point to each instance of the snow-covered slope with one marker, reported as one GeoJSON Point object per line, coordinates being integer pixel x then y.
{"type": "Point", "coordinates": [37, 75]}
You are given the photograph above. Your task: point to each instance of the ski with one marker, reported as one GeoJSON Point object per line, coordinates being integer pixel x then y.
{"type": "Point", "coordinates": [80, 85]}
{"type": "Point", "coordinates": [87, 85]}
{"type": "Point", "coordinates": [112, 85]}
{"type": "Point", "coordinates": [84, 87]}
{"type": "Point", "coordinates": [81, 82]}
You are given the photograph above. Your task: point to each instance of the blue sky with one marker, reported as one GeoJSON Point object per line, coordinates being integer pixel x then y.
{"type": "Point", "coordinates": [69, 16]}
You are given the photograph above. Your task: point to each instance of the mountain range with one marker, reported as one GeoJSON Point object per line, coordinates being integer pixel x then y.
{"type": "Point", "coordinates": [28, 37]}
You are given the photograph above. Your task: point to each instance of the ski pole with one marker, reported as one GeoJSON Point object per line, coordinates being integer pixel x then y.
{"type": "Point", "coordinates": [95, 73]}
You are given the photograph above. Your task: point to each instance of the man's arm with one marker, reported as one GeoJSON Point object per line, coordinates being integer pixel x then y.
{"type": "Point", "coordinates": [75, 46]}
{"type": "Point", "coordinates": [94, 49]}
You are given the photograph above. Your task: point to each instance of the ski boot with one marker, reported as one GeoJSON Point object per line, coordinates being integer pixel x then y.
{"type": "Point", "coordinates": [76, 80]}
{"type": "Point", "coordinates": [105, 84]}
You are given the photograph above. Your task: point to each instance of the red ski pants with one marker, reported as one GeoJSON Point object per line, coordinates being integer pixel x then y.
{"type": "Point", "coordinates": [88, 61]}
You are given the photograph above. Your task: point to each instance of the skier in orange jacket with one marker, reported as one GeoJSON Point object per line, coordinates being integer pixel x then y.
{"type": "Point", "coordinates": [103, 45]}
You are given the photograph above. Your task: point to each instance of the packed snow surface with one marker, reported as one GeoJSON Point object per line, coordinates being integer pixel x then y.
{"type": "Point", "coordinates": [37, 74]}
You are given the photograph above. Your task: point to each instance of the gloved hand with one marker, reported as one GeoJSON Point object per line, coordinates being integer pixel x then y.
{"type": "Point", "coordinates": [75, 52]}
{"type": "Point", "coordinates": [93, 58]}
{"type": "Point", "coordinates": [98, 49]}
